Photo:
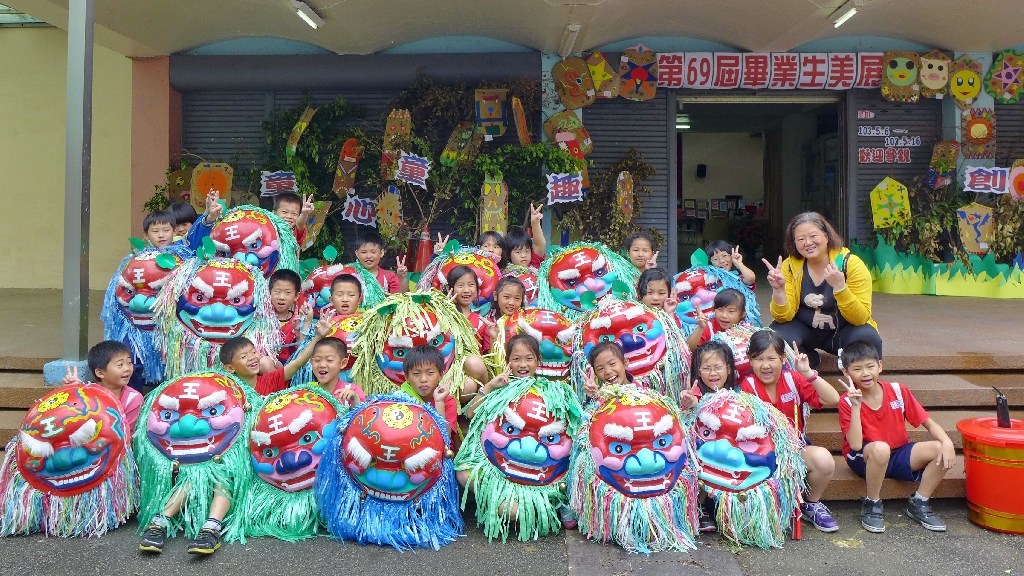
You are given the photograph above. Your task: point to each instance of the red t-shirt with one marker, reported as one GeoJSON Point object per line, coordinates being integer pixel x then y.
{"type": "Point", "coordinates": [342, 386]}
{"type": "Point", "coordinates": [886, 423]}
{"type": "Point", "coordinates": [481, 331]}
{"type": "Point", "coordinates": [709, 331]}
{"type": "Point", "coordinates": [389, 281]}
{"type": "Point", "coordinates": [271, 382]}
{"type": "Point", "coordinates": [300, 236]}
{"type": "Point", "coordinates": [787, 399]}
{"type": "Point", "coordinates": [535, 259]}
{"type": "Point", "coordinates": [287, 337]}
{"type": "Point", "coordinates": [451, 407]}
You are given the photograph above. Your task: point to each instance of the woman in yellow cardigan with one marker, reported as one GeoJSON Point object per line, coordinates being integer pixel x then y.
{"type": "Point", "coordinates": [821, 293]}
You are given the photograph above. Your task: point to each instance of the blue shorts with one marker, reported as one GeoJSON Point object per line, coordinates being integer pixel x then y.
{"type": "Point", "coordinates": [898, 468]}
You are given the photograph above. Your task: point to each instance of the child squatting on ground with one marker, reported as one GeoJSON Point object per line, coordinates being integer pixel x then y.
{"type": "Point", "coordinates": [876, 445]}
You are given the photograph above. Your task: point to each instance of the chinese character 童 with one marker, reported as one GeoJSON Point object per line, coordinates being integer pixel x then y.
{"type": "Point", "coordinates": [413, 169]}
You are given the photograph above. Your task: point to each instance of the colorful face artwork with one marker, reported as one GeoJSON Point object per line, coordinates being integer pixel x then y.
{"type": "Point", "coordinates": [71, 440]}
{"type": "Point", "coordinates": [494, 205]}
{"type": "Point", "coordinates": [1015, 186]}
{"type": "Point", "coordinates": [463, 145]}
{"type": "Point", "coordinates": [638, 445]}
{"type": "Point", "coordinates": [890, 204]}
{"type": "Point", "coordinates": [196, 417]}
{"type": "Point", "coordinates": [978, 133]}
{"type": "Point", "coordinates": [552, 331]}
{"type": "Point", "coordinates": [577, 272]}
{"type": "Point", "coordinates": [348, 162]}
{"type": "Point", "coordinates": [606, 78]}
{"type": "Point", "coordinates": [491, 115]}
{"type": "Point", "coordinates": [639, 71]}
{"type": "Point", "coordinates": [943, 164]}
{"type": "Point", "coordinates": [573, 83]}
{"type": "Point", "coordinates": [394, 451]}
{"type": "Point", "coordinates": [634, 328]}
{"type": "Point", "coordinates": [397, 132]}
{"type": "Point", "coordinates": [976, 223]}
{"type": "Point", "coordinates": [900, 82]}
{"type": "Point", "coordinates": [527, 444]}
{"type": "Point", "coordinates": [735, 452]}
{"type": "Point", "coordinates": [316, 288]}
{"type": "Point", "coordinates": [139, 283]}
{"type": "Point", "coordinates": [566, 127]}
{"type": "Point", "coordinates": [249, 235]}
{"type": "Point", "coordinates": [522, 124]}
{"type": "Point", "coordinates": [1005, 79]}
{"type": "Point", "coordinates": [696, 288]}
{"type": "Point", "coordinates": [219, 304]}
{"type": "Point", "coordinates": [289, 437]}
{"type": "Point", "coordinates": [389, 211]}
{"type": "Point", "coordinates": [398, 344]}
{"type": "Point", "coordinates": [484, 264]}
{"type": "Point", "coordinates": [934, 74]}
{"type": "Point", "coordinates": [964, 81]}
{"type": "Point", "coordinates": [210, 176]}
{"type": "Point", "coordinates": [529, 279]}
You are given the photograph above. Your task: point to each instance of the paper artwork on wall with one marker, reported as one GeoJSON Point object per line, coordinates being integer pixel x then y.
{"type": "Point", "coordinates": [207, 176]}
{"type": "Point", "coordinates": [1004, 80]}
{"type": "Point", "coordinates": [463, 144]}
{"type": "Point", "coordinates": [491, 117]}
{"type": "Point", "coordinates": [978, 133]}
{"type": "Point", "coordinates": [624, 194]}
{"type": "Point", "coordinates": [179, 185]}
{"type": "Point", "coordinates": [943, 164]}
{"type": "Point", "coordinates": [900, 80]}
{"type": "Point", "coordinates": [397, 134]}
{"type": "Point", "coordinates": [522, 125]}
{"type": "Point", "coordinates": [573, 83]}
{"type": "Point", "coordinates": [297, 130]}
{"type": "Point", "coordinates": [568, 122]}
{"type": "Point", "coordinates": [607, 81]}
{"type": "Point", "coordinates": [348, 163]}
{"type": "Point", "coordinates": [964, 81]}
{"type": "Point", "coordinates": [934, 74]}
{"type": "Point", "coordinates": [389, 212]}
{"type": "Point", "coordinates": [494, 207]}
{"type": "Point", "coordinates": [638, 67]}
{"type": "Point", "coordinates": [976, 224]}
{"type": "Point", "coordinates": [890, 204]}
{"type": "Point", "coordinates": [316, 222]}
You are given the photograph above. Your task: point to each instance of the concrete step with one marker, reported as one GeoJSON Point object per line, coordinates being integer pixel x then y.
{"type": "Point", "coordinates": [956, 390]}
{"type": "Point", "coordinates": [823, 428]}
{"type": "Point", "coordinates": [21, 389]}
{"type": "Point", "coordinates": [955, 362]}
{"type": "Point", "coordinates": [10, 423]}
{"type": "Point", "coordinates": [846, 485]}
{"type": "Point", "coordinates": [23, 363]}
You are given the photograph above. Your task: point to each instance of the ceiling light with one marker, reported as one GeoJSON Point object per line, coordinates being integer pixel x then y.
{"type": "Point", "coordinates": [307, 14]}
{"type": "Point", "coordinates": [843, 13]}
{"type": "Point", "coordinates": [568, 39]}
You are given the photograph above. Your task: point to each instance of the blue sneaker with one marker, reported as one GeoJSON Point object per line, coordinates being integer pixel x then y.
{"type": "Point", "coordinates": [819, 515]}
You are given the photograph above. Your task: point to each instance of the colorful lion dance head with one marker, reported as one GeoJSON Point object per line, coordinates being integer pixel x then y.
{"type": "Point", "coordinates": [553, 333]}
{"type": "Point", "coordinates": [517, 453]}
{"type": "Point", "coordinates": [483, 264]}
{"type": "Point", "coordinates": [402, 322]}
{"type": "Point", "coordinates": [69, 471]}
{"type": "Point", "coordinates": [750, 463]}
{"type": "Point", "coordinates": [386, 477]}
{"type": "Point", "coordinates": [191, 433]}
{"type": "Point", "coordinates": [633, 479]}
{"type": "Point", "coordinates": [206, 303]}
{"type": "Point", "coordinates": [257, 237]}
{"type": "Point", "coordinates": [698, 286]}
{"type": "Point", "coordinates": [316, 288]}
{"type": "Point", "coordinates": [286, 440]}
{"type": "Point", "coordinates": [573, 280]}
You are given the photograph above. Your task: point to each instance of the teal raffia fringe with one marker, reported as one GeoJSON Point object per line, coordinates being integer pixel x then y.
{"type": "Point", "coordinates": [762, 515]}
{"type": "Point", "coordinates": [118, 327]}
{"type": "Point", "coordinates": [265, 510]}
{"type": "Point", "coordinates": [660, 523]}
{"type": "Point", "coordinates": [623, 269]}
{"type": "Point", "coordinates": [181, 349]}
{"type": "Point", "coordinates": [199, 482]}
{"type": "Point", "coordinates": [494, 493]}
{"type": "Point", "coordinates": [665, 379]}
{"type": "Point", "coordinates": [432, 521]}
{"type": "Point", "coordinates": [26, 510]}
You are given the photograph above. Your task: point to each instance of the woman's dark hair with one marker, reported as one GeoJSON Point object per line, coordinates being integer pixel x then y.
{"type": "Point", "coordinates": [834, 239]}
{"type": "Point", "coordinates": [714, 347]}
{"type": "Point", "coordinates": [718, 246]}
{"type": "Point", "coordinates": [764, 340]}
{"type": "Point", "coordinates": [728, 296]}
{"type": "Point", "coordinates": [526, 340]}
{"type": "Point", "coordinates": [456, 274]}
{"type": "Point", "coordinates": [651, 275]}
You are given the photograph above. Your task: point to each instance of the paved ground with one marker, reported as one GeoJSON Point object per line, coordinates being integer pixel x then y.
{"type": "Point", "coordinates": [905, 549]}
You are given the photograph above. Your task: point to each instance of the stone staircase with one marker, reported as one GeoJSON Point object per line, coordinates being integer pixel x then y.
{"type": "Point", "coordinates": [950, 388]}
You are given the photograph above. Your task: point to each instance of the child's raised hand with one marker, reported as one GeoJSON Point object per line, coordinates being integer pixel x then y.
{"type": "Point", "coordinates": [653, 262]}
{"type": "Point", "coordinates": [835, 277]}
{"type": "Point", "coordinates": [536, 214]}
{"type": "Point", "coordinates": [699, 316]}
{"type": "Point", "coordinates": [72, 375]}
{"type": "Point", "coordinates": [852, 393]}
{"type": "Point", "coordinates": [737, 258]}
{"type": "Point", "coordinates": [214, 209]}
{"type": "Point", "coordinates": [401, 270]}
{"type": "Point", "coordinates": [492, 329]}
{"type": "Point", "coordinates": [307, 208]}
{"type": "Point", "coordinates": [304, 316]}
{"type": "Point", "coordinates": [672, 302]}
{"type": "Point", "coordinates": [324, 325]}
{"type": "Point", "coordinates": [775, 276]}
{"type": "Point", "coordinates": [687, 399]}
{"type": "Point", "coordinates": [441, 392]}
{"type": "Point", "coordinates": [590, 386]}
{"type": "Point", "coordinates": [803, 364]}
{"type": "Point", "coordinates": [441, 243]}
{"type": "Point", "coordinates": [500, 380]}
{"type": "Point", "coordinates": [347, 397]}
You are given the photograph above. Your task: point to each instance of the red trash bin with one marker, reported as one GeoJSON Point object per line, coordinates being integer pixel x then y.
{"type": "Point", "coordinates": [994, 464]}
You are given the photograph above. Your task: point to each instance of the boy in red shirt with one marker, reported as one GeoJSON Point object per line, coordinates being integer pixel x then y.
{"type": "Point", "coordinates": [369, 251]}
{"type": "Point", "coordinates": [423, 367]}
{"type": "Point", "coordinates": [295, 210]}
{"type": "Point", "coordinates": [875, 440]}
{"type": "Point", "coordinates": [239, 357]}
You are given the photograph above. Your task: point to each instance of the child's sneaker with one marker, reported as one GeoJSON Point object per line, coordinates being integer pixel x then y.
{"type": "Point", "coordinates": [152, 538]}
{"type": "Point", "coordinates": [207, 542]}
{"type": "Point", "coordinates": [707, 523]}
{"type": "Point", "coordinates": [819, 515]}
{"type": "Point", "coordinates": [921, 511]}
{"type": "Point", "coordinates": [566, 516]}
{"type": "Point", "coordinates": [871, 516]}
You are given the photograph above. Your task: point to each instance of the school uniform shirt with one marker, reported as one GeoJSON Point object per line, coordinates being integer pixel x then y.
{"type": "Point", "coordinates": [886, 423]}
{"type": "Point", "coordinates": [287, 337]}
{"type": "Point", "coordinates": [341, 386]}
{"type": "Point", "coordinates": [300, 236]}
{"type": "Point", "coordinates": [790, 393]}
{"type": "Point", "coordinates": [480, 329]}
{"type": "Point", "coordinates": [710, 330]}
{"type": "Point", "coordinates": [271, 382]}
{"type": "Point", "coordinates": [389, 281]}
{"type": "Point", "coordinates": [451, 407]}
{"type": "Point", "coordinates": [535, 260]}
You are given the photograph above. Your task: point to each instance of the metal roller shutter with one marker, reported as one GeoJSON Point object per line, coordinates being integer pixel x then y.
{"type": "Point", "coordinates": [1009, 132]}
{"type": "Point", "coordinates": [922, 118]}
{"type": "Point", "coordinates": [615, 125]}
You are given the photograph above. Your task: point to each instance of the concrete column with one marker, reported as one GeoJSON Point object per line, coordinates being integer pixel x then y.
{"type": "Point", "coordinates": [156, 130]}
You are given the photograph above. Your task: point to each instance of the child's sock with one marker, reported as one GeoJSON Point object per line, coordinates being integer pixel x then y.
{"type": "Point", "coordinates": [161, 520]}
{"type": "Point", "coordinates": [919, 497]}
{"type": "Point", "coordinates": [212, 524]}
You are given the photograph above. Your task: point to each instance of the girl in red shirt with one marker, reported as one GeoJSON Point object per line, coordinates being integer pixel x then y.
{"type": "Point", "coordinates": [789, 391]}
{"type": "Point", "coordinates": [463, 289]}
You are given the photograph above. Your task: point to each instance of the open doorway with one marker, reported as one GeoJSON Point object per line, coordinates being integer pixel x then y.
{"type": "Point", "coordinates": [745, 168]}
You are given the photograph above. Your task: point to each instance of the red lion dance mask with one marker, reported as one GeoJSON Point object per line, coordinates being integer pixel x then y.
{"type": "Point", "coordinates": [554, 334]}
{"type": "Point", "coordinates": [140, 281]}
{"type": "Point", "coordinates": [289, 437]}
{"type": "Point", "coordinates": [248, 236]}
{"type": "Point", "coordinates": [197, 417]}
{"type": "Point", "coordinates": [635, 329]}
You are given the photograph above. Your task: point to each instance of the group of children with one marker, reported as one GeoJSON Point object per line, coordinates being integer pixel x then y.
{"type": "Point", "coordinates": [871, 412]}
